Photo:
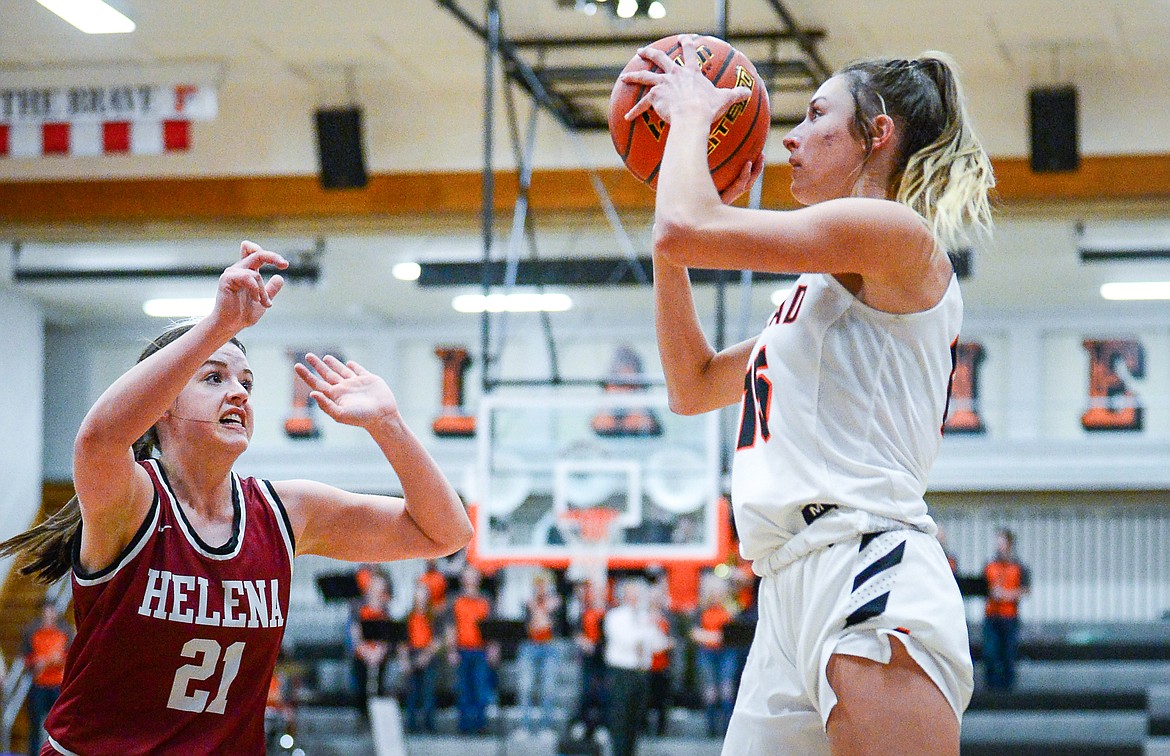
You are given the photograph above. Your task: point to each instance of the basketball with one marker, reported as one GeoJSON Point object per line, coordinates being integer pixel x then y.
{"type": "Point", "coordinates": [736, 138]}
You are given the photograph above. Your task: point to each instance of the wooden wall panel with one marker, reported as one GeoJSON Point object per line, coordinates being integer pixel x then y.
{"type": "Point", "coordinates": [412, 195]}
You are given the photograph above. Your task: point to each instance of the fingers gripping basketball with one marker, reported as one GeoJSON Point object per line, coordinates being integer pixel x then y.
{"type": "Point", "coordinates": [737, 136]}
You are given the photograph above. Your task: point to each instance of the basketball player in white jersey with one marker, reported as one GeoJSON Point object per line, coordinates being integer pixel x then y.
{"type": "Point", "coordinates": [862, 644]}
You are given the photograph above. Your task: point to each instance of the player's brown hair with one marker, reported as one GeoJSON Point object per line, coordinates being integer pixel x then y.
{"type": "Point", "coordinates": [45, 551]}
{"type": "Point", "coordinates": [943, 172]}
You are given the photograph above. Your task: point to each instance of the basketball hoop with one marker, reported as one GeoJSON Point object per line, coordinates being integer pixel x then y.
{"type": "Point", "coordinates": [588, 533]}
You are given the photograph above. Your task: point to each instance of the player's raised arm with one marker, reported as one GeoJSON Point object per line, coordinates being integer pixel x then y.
{"type": "Point", "coordinates": [428, 521]}
{"type": "Point", "coordinates": [112, 490]}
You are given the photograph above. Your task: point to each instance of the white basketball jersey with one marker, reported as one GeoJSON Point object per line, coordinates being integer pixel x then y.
{"type": "Point", "coordinates": [843, 405]}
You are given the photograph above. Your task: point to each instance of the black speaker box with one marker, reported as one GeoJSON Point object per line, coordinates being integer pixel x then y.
{"type": "Point", "coordinates": [339, 146]}
{"type": "Point", "coordinates": [1053, 126]}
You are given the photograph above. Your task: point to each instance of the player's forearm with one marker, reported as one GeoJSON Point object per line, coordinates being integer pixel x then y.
{"type": "Point", "coordinates": [429, 498]}
{"type": "Point", "coordinates": [686, 195]}
{"type": "Point", "coordinates": [682, 346]}
{"type": "Point", "coordinates": [134, 402]}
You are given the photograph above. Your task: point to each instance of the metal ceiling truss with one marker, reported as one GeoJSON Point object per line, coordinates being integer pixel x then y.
{"type": "Point", "coordinates": [578, 98]}
{"type": "Point", "coordinates": [787, 59]}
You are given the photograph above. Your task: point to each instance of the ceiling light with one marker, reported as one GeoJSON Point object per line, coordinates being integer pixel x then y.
{"type": "Point", "coordinates": [627, 8]}
{"type": "Point", "coordinates": [656, 10]}
{"type": "Point", "coordinates": [780, 295]}
{"type": "Point", "coordinates": [1132, 290]}
{"type": "Point", "coordinates": [91, 16]}
{"type": "Point", "coordinates": [407, 271]}
{"type": "Point", "coordinates": [514, 302]}
{"type": "Point", "coordinates": [589, 9]}
{"type": "Point", "coordinates": [178, 308]}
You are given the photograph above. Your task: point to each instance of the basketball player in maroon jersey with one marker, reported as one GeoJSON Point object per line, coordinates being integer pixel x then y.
{"type": "Point", "coordinates": [180, 566]}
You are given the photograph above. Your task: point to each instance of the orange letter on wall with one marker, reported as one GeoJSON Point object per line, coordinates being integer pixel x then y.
{"type": "Point", "coordinates": [453, 421]}
{"type": "Point", "coordinates": [300, 422]}
{"type": "Point", "coordinates": [1112, 406]}
{"type": "Point", "coordinates": [963, 415]}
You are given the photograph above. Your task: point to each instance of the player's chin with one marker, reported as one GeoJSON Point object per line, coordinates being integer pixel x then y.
{"type": "Point", "coordinates": [801, 193]}
{"type": "Point", "coordinates": [236, 435]}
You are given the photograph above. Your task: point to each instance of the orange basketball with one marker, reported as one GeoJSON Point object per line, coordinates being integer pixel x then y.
{"type": "Point", "coordinates": [737, 137]}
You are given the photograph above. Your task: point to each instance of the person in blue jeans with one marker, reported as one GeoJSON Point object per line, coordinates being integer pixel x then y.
{"type": "Point", "coordinates": [469, 653]}
{"type": "Point", "coordinates": [1008, 581]}
{"type": "Point", "coordinates": [538, 652]}
{"type": "Point", "coordinates": [718, 663]}
{"type": "Point", "coordinates": [420, 652]}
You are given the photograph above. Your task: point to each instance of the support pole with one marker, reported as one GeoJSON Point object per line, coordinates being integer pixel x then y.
{"type": "Point", "coordinates": [489, 186]}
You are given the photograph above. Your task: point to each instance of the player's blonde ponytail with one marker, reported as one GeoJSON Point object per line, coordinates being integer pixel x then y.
{"type": "Point", "coordinates": [46, 550]}
{"type": "Point", "coordinates": [943, 172]}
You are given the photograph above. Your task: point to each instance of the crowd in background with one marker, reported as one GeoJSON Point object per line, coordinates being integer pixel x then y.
{"type": "Point", "coordinates": [634, 644]}
{"type": "Point", "coordinates": [633, 648]}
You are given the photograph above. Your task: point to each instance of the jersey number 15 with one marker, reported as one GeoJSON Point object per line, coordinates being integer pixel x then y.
{"type": "Point", "coordinates": [757, 403]}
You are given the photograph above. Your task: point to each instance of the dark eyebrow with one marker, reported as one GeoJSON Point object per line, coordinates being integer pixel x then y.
{"type": "Point", "coordinates": [225, 366]}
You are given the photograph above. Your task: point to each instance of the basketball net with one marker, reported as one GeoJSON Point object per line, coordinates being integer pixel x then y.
{"type": "Point", "coordinates": [588, 533]}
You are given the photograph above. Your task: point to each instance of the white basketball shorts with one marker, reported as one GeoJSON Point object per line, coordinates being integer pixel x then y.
{"type": "Point", "coordinates": [846, 598]}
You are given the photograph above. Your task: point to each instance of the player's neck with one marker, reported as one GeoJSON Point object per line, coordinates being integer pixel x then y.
{"type": "Point", "coordinates": [202, 489]}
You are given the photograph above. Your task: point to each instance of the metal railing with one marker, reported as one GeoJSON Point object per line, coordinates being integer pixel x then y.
{"type": "Point", "coordinates": [1099, 563]}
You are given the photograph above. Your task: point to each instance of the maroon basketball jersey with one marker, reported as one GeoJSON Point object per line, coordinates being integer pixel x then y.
{"type": "Point", "coordinates": [177, 640]}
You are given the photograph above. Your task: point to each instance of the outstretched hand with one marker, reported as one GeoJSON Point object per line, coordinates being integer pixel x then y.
{"type": "Point", "coordinates": [243, 295]}
{"type": "Point", "coordinates": [677, 88]}
{"type": "Point", "coordinates": [346, 391]}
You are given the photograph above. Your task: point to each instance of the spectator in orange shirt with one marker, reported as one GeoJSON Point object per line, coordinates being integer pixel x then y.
{"type": "Point", "coordinates": [45, 646]}
{"type": "Point", "coordinates": [538, 653]}
{"type": "Point", "coordinates": [718, 663]}
{"type": "Point", "coordinates": [436, 583]}
{"type": "Point", "coordinates": [421, 660]}
{"type": "Point", "coordinates": [468, 653]}
{"type": "Point", "coordinates": [1007, 582]}
{"type": "Point", "coordinates": [370, 657]}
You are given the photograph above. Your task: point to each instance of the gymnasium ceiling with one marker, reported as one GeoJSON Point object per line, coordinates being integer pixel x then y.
{"type": "Point", "coordinates": [1003, 46]}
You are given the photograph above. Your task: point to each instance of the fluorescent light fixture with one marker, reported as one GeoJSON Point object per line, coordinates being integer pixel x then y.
{"type": "Point", "coordinates": [656, 10]}
{"type": "Point", "coordinates": [780, 295]}
{"type": "Point", "coordinates": [1132, 290]}
{"type": "Point", "coordinates": [178, 308]}
{"type": "Point", "coordinates": [91, 16]}
{"type": "Point", "coordinates": [514, 302]}
{"type": "Point", "coordinates": [407, 271]}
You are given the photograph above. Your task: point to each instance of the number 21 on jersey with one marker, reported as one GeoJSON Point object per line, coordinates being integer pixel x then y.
{"type": "Point", "coordinates": [209, 651]}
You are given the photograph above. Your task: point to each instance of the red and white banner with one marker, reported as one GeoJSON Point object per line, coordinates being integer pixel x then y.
{"type": "Point", "coordinates": [94, 138]}
{"type": "Point", "coordinates": [76, 121]}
